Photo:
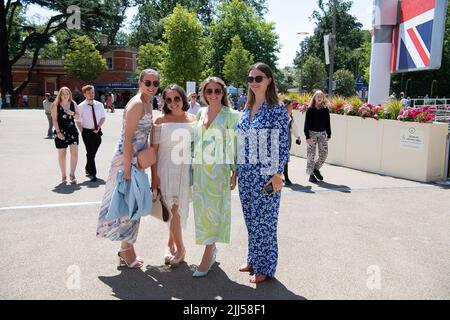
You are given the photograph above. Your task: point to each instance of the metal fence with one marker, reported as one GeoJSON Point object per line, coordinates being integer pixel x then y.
{"type": "Point", "coordinates": [440, 108]}
{"type": "Point", "coordinates": [441, 111]}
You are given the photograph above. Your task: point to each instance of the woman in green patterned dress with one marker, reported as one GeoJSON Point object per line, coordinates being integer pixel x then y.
{"type": "Point", "coordinates": [214, 170]}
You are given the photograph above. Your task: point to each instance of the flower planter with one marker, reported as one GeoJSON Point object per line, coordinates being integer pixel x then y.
{"type": "Point", "coordinates": [364, 143]}
{"type": "Point", "coordinates": [414, 150]}
{"type": "Point", "coordinates": [337, 147]}
{"type": "Point", "coordinates": [408, 150]}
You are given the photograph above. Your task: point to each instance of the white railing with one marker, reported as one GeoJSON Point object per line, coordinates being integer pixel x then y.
{"type": "Point", "coordinates": [440, 108]}
{"type": "Point", "coordinates": [50, 62]}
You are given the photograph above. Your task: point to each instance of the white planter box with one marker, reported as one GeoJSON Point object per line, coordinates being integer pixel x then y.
{"type": "Point", "coordinates": [364, 143]}
{"type": "Point", "coordinates": [337, 147]}
{"type": "Point", "coordinates": [408, 150]}
{"type": "Point", "coordinates": [414, 150]}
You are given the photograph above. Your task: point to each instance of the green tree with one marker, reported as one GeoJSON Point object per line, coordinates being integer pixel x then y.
{"type": "Point", "coordinates": [113, 21]}
{"type": "Point", "coordinates": [349, 35]}
{"type": "Point", "coordinates": [364, 62]}
{"type": "Point", "coordinates": [183, 55]}
{"type": "Point", "coordinates": [287, 78]}
{"type": "Point", "coordinates": [148, 23]}
{"type": "Point", "coordinates": [57, 46]}
{"type": "Point", "coordinates": [237, 63]}
{"type": "Point", "coordinates": [345, 82]}
{"type": "Point", "coordinates": [235, 17]}
{"type": "Point", "coordinates": [149, 56]}
{"type": "Point", "coordinates": [23, 38]}
{"type": "Point", "coordinates": [313, 74]}
{"type": "Point", "coordinates": [84, 61]}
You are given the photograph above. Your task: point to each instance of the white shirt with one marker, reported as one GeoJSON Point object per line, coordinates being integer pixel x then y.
{"type": "Point", "coordinates": [47, 106]}
{"type": "Point", "coordinates": [194, 109]}
{"type": "Point", "coordinates": [85, 110]}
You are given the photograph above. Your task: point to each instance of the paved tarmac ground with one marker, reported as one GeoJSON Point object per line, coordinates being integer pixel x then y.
{"type": "Point", "coordinates": [356, 236]}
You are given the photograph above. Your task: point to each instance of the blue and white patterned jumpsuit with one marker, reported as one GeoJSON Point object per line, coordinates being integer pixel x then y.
{"type": "Point", "coordinates": [271, 126]}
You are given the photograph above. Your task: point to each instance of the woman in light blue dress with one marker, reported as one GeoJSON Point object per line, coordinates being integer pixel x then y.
{"type": "Point", "coordinates": [134, 138]}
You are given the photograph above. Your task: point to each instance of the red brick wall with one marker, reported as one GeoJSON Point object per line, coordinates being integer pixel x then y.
{"type": "Point", "coordinates": [123, 60]}
{"type": "Point", "coordinates": [122, 64]}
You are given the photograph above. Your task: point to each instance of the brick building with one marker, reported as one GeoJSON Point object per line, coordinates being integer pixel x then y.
{"type": "Point", "coordinates": [49, 74]}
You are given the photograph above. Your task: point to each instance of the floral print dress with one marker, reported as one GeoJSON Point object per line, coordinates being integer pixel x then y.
{"type": "Point", "coordinates": [257, 163]}
{"type": "Point", "coordinates": [122, 229]}
{"type": "Point", "coordinates": [67, 127]}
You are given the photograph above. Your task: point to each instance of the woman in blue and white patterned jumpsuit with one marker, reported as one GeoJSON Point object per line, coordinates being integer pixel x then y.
{"type": "Point", "coordinates": [263, 152]}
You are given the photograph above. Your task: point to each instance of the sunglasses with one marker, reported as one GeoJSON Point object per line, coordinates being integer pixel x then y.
{"type": "Point", "coordinates": [148, 83]}
{"type": "Point", "coordinates": [217, 91]}
{"type": "Point", "coordinates": [168, 101]}
{"type": "Point", "coordinates": [257, 79]}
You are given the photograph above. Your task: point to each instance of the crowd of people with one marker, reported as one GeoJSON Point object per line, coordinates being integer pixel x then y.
{"type": "Point", "coordinates": [220, 149]}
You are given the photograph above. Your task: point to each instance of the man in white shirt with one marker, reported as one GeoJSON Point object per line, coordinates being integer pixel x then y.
{"type": "Point", "coordinates": [92, 117]}
{"type": "Point", "coordinates": [194, 106]}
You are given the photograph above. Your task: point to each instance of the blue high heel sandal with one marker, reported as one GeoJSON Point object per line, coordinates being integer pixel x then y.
{"type": "Point", "coordinates": [199, 274]}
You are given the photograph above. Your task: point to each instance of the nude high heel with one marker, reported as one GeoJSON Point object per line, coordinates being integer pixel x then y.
{"type": "Point", "coordinates": [121, 262]}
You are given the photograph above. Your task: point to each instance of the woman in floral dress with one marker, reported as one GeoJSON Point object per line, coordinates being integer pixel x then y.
{"type": "Point", "coordinates": [64, 112]}
{"type": "Point", "coordinates": [266, 122]}
{"type": "Point", "coordinates": [134, 138]}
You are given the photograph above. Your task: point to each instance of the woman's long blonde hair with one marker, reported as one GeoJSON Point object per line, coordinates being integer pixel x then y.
{"type": "Point", "coordinates": [58, 98]}
{"type": "Point", "coordinates": [312, 104]}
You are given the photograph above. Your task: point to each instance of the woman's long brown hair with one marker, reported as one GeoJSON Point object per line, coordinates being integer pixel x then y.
{"type": "Point", "coordinates": [271, 92]}
{"type": "Point", "coordinates": [218, 81]}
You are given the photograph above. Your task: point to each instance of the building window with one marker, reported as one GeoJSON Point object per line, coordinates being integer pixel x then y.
{"type": "Point", "coordinates": [109, 63]}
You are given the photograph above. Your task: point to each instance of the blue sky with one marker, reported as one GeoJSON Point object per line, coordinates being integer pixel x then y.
{"type": "Point", "coordinates": [290, 17]}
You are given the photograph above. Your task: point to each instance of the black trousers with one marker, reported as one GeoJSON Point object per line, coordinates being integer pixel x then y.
{"type": "Point", "coordinates": [286, 173]}
{"type": "Point", "coordinates": [92, 142]}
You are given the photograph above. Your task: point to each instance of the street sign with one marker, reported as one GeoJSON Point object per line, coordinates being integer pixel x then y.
{"type": "Point", "coordinates": [190, 87]}
{"type": "Point", "coordinates": [326, 44]}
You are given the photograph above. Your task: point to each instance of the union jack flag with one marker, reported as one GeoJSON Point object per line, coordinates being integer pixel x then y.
{"type": "Point", "coordinates": [412, 39]}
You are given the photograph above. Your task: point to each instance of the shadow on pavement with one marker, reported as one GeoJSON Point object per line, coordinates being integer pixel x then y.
{"type": "Point", "coordinates": [93, 184]}
{"type": "Point", "coordinates": [63, 188]}
{"type": "Point", "coordinates": [335, 187]}
{"type": "Point", "coordinates": [165, 283]}
{"type": "Point", "coordinates": [445, 185]}
{"type": "Point", "coordinates": [300, 188]}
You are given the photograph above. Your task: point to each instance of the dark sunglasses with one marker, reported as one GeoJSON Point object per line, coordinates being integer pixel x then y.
{"type": "Point", "coordinates": [177, 99]}
{"type": "Point", "coordinates": [148, 83]}
{"type": "Point", "coordinates": [257, 79]}
{"type": "Point", "coordinates": [217, 91]}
